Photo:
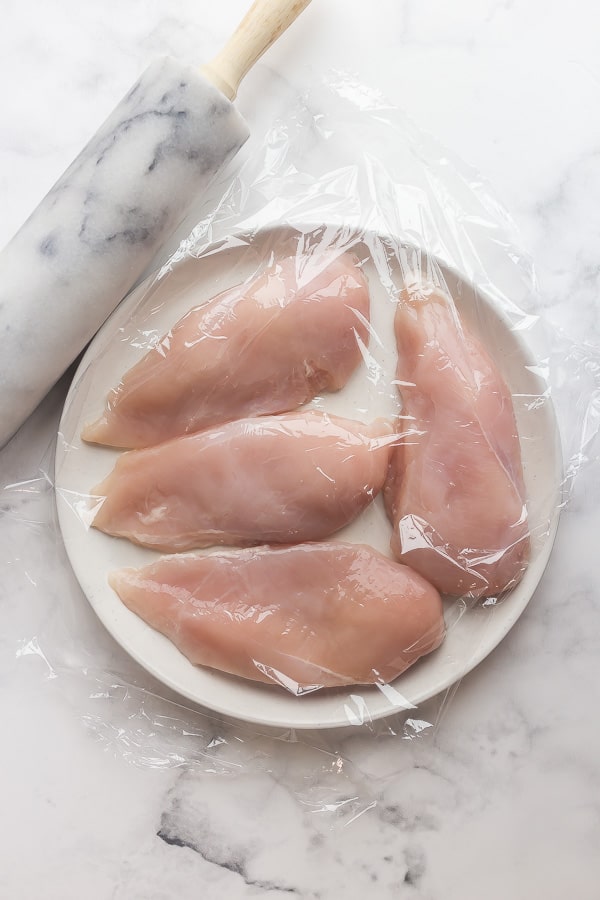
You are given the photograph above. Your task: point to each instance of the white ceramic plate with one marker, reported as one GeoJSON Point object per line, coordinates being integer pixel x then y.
{"type": "Point", "coordinates": [472, 633]}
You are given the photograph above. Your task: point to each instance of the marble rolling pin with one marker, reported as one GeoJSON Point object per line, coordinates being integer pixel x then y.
{"type": "Point", "coordinates": [101, 224]}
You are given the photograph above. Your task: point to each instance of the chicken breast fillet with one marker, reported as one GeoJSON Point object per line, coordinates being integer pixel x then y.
{"type": "Point", "coordinates": [304, 617]}
{"type": "Point", "coordinates": [277, 479]}
{"type": "Point", "coordinates": [455, 491]}
{"type": "Point", "coordinates": [296, 330]}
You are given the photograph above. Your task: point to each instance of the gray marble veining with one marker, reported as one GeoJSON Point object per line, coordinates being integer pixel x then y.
{"type": "Point", "coordinates": [97, 229]}
{"type": "Point", "coordinates": [500, 800]}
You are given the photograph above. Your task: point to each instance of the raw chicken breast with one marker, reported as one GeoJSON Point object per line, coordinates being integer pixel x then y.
{"type": "Point", "coordinates": [264, 347]}
{"type": "Point", "coordinates": [455, 491]}
{"type": "Point", "coordinates": [309, 616]}
{"type": "Point", "coordinates": [289, 478]}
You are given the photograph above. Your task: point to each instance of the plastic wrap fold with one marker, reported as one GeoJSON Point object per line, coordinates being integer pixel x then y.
{"type": "Point", "coordinates": [309, 474]}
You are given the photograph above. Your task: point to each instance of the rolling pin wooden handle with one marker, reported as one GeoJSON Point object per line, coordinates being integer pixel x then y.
{"type": "Point", "coordinates": [265, 21]}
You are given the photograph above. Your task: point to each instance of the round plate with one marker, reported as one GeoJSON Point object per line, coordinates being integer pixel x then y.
{"type": "Point", "coordinates": [143, 317]}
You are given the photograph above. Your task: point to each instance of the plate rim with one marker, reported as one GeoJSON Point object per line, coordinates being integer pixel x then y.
{"type": "Point", "coordinates": [533, 573]}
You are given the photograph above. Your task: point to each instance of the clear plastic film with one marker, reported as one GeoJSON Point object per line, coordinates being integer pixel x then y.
{"type": "Point", "coordinates": [338, 402]}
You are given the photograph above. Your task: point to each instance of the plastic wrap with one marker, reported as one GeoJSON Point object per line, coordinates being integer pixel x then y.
{"type": "Point", "coordinates": [416, 422]}
{"type": "Point", "coordinates": [101, 224]}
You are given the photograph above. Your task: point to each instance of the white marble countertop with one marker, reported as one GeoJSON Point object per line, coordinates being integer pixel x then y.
{"type": "Point", "coordinates": [505, 800]}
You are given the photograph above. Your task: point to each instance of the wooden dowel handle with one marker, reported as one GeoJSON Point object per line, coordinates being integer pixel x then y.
{"type": "Point", "coordinates": [264, 22]}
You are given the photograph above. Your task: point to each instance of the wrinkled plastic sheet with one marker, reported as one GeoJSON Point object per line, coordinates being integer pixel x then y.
{"type": "Point", "coordinates": [340, 172]}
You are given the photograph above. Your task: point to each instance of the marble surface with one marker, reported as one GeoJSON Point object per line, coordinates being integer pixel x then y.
{"type": "Point", "coordinates": [103, 222]}
{"type": "Point", "coordinates": [503, 799]}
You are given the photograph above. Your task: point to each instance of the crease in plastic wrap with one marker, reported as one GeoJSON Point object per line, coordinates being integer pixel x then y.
{"type": "Point", "coordinates": [309, 473]}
